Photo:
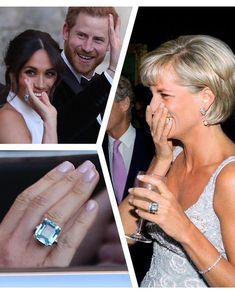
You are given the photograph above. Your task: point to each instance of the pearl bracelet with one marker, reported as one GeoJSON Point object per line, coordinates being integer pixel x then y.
{"type": "Point", "coordinates": [212, 266]}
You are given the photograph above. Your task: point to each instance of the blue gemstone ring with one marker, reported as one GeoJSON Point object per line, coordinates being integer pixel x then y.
{"type": "Point", "coordinates": [47, 232]}
{"type": "Point", "coordinates": [153, 207]}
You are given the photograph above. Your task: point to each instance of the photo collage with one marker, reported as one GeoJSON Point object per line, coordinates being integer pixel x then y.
{"type": "Point", "coordinates": [117, 146]}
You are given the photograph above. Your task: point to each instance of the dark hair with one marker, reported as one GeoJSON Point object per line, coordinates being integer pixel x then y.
{"type": "Point", "coordinates": [20, 50]}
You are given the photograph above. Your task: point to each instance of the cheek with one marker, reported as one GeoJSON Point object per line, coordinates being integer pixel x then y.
{"type": "Point", "coordinates": [51, 82]}
{"type": "Point", "coordinates": [22, 84]}
{"type": "Point", "coordinates": [74, 42]}
{"type": "Point", "coordinates": [101, 50]}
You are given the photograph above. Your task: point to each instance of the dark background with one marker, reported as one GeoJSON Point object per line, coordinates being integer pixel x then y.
{"type": "Point", "coordinates": [155, 25]}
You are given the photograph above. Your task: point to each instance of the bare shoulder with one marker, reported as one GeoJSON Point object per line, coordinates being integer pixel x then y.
{"type": "Point", "coordinates": [13, 128]}
{"type": "Point", "coordinates": [224, 199]}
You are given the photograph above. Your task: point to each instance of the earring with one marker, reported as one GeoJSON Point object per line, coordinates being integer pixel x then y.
{"type": "Point", "coordinates": [203, 111]}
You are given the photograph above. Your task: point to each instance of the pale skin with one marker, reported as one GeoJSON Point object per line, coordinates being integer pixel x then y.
{"type": "Point", "coordinates": [186, 179]}
{"type": "Point", "coordinates": [36, 78]}
{"type": "Point", "coordinates": [88, 41]}
{"type": "Point", "coordinates": [62, 195]}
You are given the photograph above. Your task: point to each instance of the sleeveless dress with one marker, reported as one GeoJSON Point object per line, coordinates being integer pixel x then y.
{"type": "Point", "coordinates": [170, 265]}
{"type": "Point", "coordinates": [32, 118]}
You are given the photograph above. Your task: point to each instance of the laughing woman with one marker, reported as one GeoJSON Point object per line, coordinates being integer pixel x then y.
{"type": "Point", "coordinates": [192, 216]}
{"type": "Point", "coordinates": [33, 68]}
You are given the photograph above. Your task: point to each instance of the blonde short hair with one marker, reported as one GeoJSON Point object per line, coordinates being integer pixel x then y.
{"type": "Point", "coordinates": [199, 61]}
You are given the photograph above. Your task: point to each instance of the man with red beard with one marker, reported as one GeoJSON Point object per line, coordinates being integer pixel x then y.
{"type": "Point", "coordinates": [89, 33]}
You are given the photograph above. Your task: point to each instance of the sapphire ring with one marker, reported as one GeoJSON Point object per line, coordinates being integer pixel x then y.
{"type": "Point", "coordinates": [153, 207]}
{"type": "Point", "coordinates": [26, 97]}
{"type": "Point", "coordinates": [47, 232]}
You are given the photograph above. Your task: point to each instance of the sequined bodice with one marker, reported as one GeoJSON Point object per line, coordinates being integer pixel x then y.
{"type": "Point", "coordinates": [170, 265]}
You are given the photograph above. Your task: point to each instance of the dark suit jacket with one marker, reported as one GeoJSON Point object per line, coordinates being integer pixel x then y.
{"type": "Point", "coordinates": [143, 153]}
{"type": "Point", "coordinates": [78, 106]}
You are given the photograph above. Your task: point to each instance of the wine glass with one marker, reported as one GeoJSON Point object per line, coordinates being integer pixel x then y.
{"type": "Point", "coordinates": [139, 234]}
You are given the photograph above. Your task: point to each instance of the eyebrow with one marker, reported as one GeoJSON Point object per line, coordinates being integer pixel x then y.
{"type": "Point", "coordinates": [95, 37]}
{"type": "Point", "coordinates": [35, 68]}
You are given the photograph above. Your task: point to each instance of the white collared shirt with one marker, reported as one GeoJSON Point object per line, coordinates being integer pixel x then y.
{"type": "Point", "coordinates": [78, 75]}
{"type": "Point", "coordinates": [125, 148]}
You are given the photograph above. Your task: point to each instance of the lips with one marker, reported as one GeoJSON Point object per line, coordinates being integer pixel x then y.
{"type": "Point", "coordinates": [84, 58]}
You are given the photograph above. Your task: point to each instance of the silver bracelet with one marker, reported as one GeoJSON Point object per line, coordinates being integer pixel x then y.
{"type": "Point", "coordinates": [211, 267]}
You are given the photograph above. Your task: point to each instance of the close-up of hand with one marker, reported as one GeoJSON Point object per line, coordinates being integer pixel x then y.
{"type": "Point", "coordinates": [62, 196]}
{"type": "Point", "coordinates": [115, 43]}
{"type": "Point", "coordinates": [47, 112]}
{"type": "Point", "coordinates": [169, 214]}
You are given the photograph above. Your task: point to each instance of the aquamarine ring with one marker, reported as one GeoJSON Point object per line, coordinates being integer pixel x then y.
{"type": "Point", "coordinates": [47, 232]}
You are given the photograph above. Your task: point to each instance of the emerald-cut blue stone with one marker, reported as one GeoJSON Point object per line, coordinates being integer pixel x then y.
{"type": "Point", "coordinates": [47, 232]}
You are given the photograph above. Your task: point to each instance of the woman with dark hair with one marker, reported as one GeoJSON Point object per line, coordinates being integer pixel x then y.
{"type": "Point", "coordinates": [33, 69]}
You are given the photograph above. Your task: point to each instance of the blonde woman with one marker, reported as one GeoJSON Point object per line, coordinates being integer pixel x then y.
{"type": "Point", "coordinates": [192, 218]}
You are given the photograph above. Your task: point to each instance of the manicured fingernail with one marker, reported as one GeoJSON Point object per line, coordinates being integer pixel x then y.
{"type": "Point", "coordinates": [130, 190]}
{"type": "Point", "coordinates": [83, 168]}
{"type": "Point", "coordinates": [91, 205]}
{"type": "Point", "coordinates": [89, 175]}
{"type": "Point", "coordinates": [131, 199]}
{"type": "Point", "coordinates": [65, 167]}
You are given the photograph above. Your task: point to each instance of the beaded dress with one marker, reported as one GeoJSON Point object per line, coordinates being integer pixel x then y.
{"type": "Point", "coordinates": [170, 265]}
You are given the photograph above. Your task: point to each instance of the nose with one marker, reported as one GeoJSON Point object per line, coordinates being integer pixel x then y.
{"type": "Point", "coordinates": [39, 82]}
{"type": "Point", "coordinates": [87, 45]}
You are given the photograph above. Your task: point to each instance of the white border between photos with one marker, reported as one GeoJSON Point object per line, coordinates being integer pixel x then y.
{"type": "Point", "coordinates": [98, 147]}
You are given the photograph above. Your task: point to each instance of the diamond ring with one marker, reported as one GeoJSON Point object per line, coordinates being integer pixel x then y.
{"type": "Point", "coordinates": [47, 232]}
{"type": "Point", "coordinates": [26, 97]}
{"type": "Point", "coordinates": [153, 207]}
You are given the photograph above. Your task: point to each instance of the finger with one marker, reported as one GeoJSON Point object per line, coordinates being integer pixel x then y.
{"type": "Point", "coordinates": [148, 216]}
{"type": "Point", "coordinates": [111, 27]}
{"type": "Point", "coordinates": [70, 240]}
{"type": "Point", "coordinates": [118, 27]}
{"type": "Point", "coordinates": [149, 115]}
{"type": "Point", "coordinates": [45, 99]}
{"type": "Point", "coordinates": [155, 181]}
{"type": "Point", "coordinates": [155, 121]}
{"type": "Point", "coordinates": [44, 201]}
{"type": "Point", "coordinates": [167, 128]}
{"type": "Point", "coordinates": [34, 101]}
{"type": "Point", "coordinates": [159, 122]}
{"type": "Point", "coordinates": [143, 194]}
{"type": "Point", "coordinates": [21, 203]}
{"type": "Point", "coordinates": [64, 210]}
{"type": "Point", "coordinates": [140, 203]}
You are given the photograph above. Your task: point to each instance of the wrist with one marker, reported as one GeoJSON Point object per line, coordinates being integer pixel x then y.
{"type": "Point", "coordinates": [160, 166]}
{"type": "Point", "coordinates": [112, 68]}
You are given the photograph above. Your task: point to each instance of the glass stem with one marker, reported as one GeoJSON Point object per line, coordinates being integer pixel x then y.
{"type": "Point", "coordinates": [140, 225]}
